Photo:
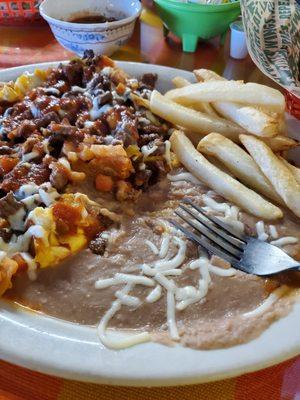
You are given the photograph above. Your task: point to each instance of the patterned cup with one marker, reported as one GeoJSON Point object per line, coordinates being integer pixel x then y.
{"type": "Point", "coordinates": [102, 38]}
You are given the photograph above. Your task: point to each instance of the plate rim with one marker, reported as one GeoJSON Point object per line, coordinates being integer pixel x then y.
{"type": "Point", "coordinates": [30, 339]}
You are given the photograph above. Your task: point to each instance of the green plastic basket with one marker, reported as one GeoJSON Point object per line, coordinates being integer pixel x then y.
{"type": "Point", "coordinates": [191, 21]}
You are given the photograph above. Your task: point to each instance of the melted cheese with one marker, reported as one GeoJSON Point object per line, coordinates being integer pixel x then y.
{"type": "Point", "coordinates": [184, 176]}
{"type": "Point", "coordinates": [265, 306]}
{"type": "Point", "coordinates": [273, 232]}
{"type": "Point", "coordinates": [154, 295]}
{"type": "Point", "coordinates": [146, 150]}
{"type": "Point", "coordinates": [284, 241]}
{"type": "Point", "coordinates": [152, 247]}
{"type": "Point", "coordinates": [119, 343]}
{"type": "Point", "coordinates": [165, 244]}
{"type": "Point", "coordinates": [260, 229]}
{"type": "Point", "coordinates": [17, 220]}
{"type": "Point", "coordinates": [171, 316]}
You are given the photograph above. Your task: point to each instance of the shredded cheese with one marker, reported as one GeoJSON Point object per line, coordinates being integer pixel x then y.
{"type": "Point", "coordinates": [284, 241]}
{"type": "Point", "coordinates": [119, 343]}
{"type": "Point", "coordinates": [146, 150]}
{"type": "Point", "coordinates": [184, 176]}
{"type": "Point", "coordinates": [154, 295]}
{"type": "Point", "coordinates": [152, 247]}
{"type": "Point", "coordinates": [273, 232]}
{"type": "Point", "coordinates": [265, 306]}
{"type": "Point", "coordinates": [260, 229]}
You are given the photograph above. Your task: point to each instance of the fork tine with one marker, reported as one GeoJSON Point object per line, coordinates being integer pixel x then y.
{"type": "Point", "coordinates": [216, 221]}
{"type": "Point", "coordinates": [205, 244]}
{"type": "Point", "coordinates": [233, 241]}
{"type": "Point", "coordinates": [212, 236]}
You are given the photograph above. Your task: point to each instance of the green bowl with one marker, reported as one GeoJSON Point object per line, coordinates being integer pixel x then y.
{"type": "Point", "coordinates": [192, 21]}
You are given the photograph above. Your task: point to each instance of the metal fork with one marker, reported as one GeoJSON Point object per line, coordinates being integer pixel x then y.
{"type": "Point", "coordinates": [243, 252]}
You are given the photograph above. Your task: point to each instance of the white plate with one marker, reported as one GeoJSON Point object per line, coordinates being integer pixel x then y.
{"type": "Point", "coordinates": [72, 351]}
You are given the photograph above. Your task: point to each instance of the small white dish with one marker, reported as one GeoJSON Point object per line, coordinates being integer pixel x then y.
{"type": "Point", "coordinates": [102, 38]}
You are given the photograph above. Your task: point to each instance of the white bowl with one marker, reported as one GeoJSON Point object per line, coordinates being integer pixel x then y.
{"type": "Point", "coordinates": [102, 38]}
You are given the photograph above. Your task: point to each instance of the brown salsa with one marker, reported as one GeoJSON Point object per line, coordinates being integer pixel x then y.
{"type": "Point", "coordinates": [92, 19]}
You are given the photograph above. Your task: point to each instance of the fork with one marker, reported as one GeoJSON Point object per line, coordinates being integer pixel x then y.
{"type": "Point", "coordinates": [245, 253]}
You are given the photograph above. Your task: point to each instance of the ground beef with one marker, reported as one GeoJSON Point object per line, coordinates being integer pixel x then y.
{"type": "Point", "coordinates": [25, 129]}
{"type": "Point", "coordinates": [5, 234]}
{"type": "Point", "coordinates": [5, 150]}
{"type": "Point", "coordinates": [59, 176]}
{"type": "Point", "coordinates": [149, 80]}
{"type": "Point", "coordinates": [148, 129]}
{"type": "Point", "coordinates": [9, 205]}
{"type": "Point", "coordinates": [73, 72]}
{"type": "Point", "coordinates": [141, 179]}
{"type": "Point", "coordinates": [98, 245]}
{"type": "Point", "coordinates": [25, 173]}
{"type": "Point", "coordinates": [62, 132]}
{"type": "Point", "coordinates": [46, 119]}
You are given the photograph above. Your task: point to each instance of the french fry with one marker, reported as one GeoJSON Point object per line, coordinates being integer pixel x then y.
{"type": "Point", "coordinates": [225, 185]}
{"type": "Point", "coordinates": [239, 163]}
{"type": "Point", "coordinates": [276, 171]}
{"type": "Point", "coordinates": [180, 82]}
{"type": "Point", "coordinates": [294, 170]}
{"type": "Point", "coordinates": [193, 120]}
{"type": "Point", "coordinates": [140, 101]}
{"type": "Point", "coordinates": [251, 94]}
{"type": "Point", "coordinates": [204, 75]}
{"type": "Point", "coordinates": [280, 143]}
{"type": "Point", "coordinates": [277, 143]}
{"type": "Point", "coordinates": [252, 119]}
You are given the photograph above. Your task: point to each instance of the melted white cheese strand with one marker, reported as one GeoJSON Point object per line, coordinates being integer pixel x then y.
{"type": "Point", "coordinates": [164, 247]}
{"type": "Point", "coordinates": [186, 293]}
{"type": "Point", "coordinates": [184, 176]}
{"type": "Point", "coordinates": [284, 241]}
{"type": "Point", "coordinates": [134, 279]}
{"type": "Point", "coordinates": [205, 278]}
{"type": "Point", "coordinates": [154, 295]}
{"type": "Point", "coordinates": [119, 343]}
{"type": "Point", "coordinates": [171, 288]}
{"type": "Point", "coordinates": [238, 226]}
{"type": "Point", "coordinates": [124, 278]}
{"type": "Point", "coordinates": [176, 261]}
{"type": "Point", "coordinates": [266, 304]}
{"type": "Point", "coordinates": [202, 264]}
{"type": "Point", "coordinates": [231, 212]}
{"type": "Point", "coordinates": [169, 285]}
{"type": "Point", "coordinates": [21, 243]}
{"type": "Point", "coordinates": [32, 266]}
{"type": "Point", "coordinates": [222, 271]}
{"type": "Point", "coordinates": [31, 202]}
{"type": "Point", "coordinates": [127, 300]}
{"type": "Point", "coordinates": [16, 220]}
{"type": "Point", "coordinates": [105, 283]}
{"type": "Point", "coordinates": [260, 229]}
{"type": "Point", "coordinates": [146, 150]}
{"type": "Point", "coordinates": [171, 316]}
{"type": "Point", "coordinates": [215, 206]}
{"type": "Point", "coordinates": [30, 156]}
{"type": "Point", "coordinates": [273, 232]}
{"type": "Point", "coordinates": [152, 247]}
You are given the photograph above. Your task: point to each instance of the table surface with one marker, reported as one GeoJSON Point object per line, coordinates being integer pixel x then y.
{"type": "Point", "coordinates": [35, 43]}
